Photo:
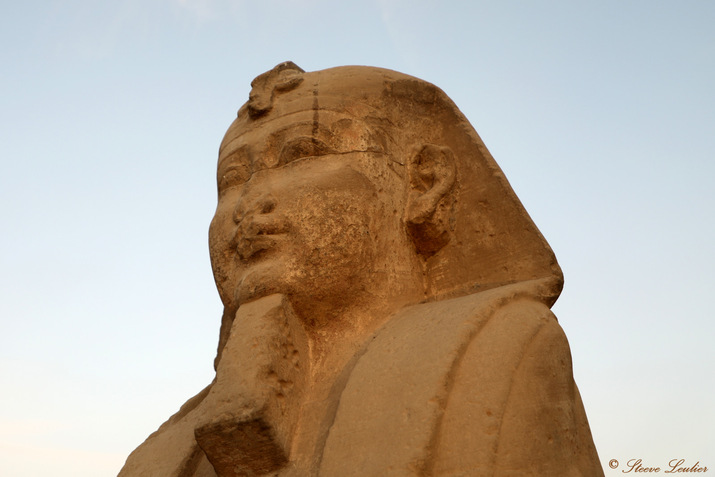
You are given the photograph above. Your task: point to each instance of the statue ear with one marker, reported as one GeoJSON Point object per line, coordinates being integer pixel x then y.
{"type": "Point", "coordinates": [432, 175]}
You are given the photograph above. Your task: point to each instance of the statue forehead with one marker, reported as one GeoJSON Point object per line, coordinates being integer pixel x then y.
{"type": "Point", "coordinates": [287, 119]}
{"type": "Point", "coordinates": [297, 107]}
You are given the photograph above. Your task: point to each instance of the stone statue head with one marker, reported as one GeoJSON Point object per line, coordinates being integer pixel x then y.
{"type": "Point", "coordinates": [356, 191]}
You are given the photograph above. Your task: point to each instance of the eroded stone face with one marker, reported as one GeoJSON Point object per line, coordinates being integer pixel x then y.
{"type": "Point", "coordinates": [311, 208]}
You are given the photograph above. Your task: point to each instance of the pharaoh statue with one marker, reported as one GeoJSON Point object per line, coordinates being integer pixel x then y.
{"type": "Point", "coordinates": [386, 298]}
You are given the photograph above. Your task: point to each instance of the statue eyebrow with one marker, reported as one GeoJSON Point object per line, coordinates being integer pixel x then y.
{"type": "Point", "coordinates": [243, 151]}
{"type": "Point", "coordinates": [306, 128]}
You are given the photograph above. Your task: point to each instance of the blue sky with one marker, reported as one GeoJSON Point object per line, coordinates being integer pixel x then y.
{"type": "Point", "coordinates": [601, 114]}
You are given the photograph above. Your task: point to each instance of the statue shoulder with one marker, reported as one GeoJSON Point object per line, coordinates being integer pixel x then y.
{"type": "Point", "coordinates": [513, 402]}
{"type": "Point", "coordinates": [410, 369]}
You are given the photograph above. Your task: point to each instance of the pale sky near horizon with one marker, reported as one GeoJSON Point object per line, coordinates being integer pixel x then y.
{"type": "Point", "coordinates": [601, 114]}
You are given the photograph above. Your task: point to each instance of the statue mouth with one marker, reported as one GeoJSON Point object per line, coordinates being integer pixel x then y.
{"type": "Point", "coordinates": [255, 246]}
{"type": "Point", "coordinates": [258, 232]}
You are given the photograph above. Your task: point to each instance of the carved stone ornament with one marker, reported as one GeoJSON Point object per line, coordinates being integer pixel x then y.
{"type": "Point", "coordinates": [386, 298]}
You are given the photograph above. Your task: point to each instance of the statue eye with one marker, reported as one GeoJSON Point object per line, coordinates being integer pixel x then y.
{"type": "Point", "coordinates": [231, 177]}
{"type": "Point", "coordinates": [234, 169]}
{"type": "Point", "coordinates": [303, 147]}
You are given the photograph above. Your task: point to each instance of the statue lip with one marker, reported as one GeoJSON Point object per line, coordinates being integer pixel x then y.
{"type": "Point", "coordinates": [251, 246]}
{"type": "Point", "coordinates": [256, 233]}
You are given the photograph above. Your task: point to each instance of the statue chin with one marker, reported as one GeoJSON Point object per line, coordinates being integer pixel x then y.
{"type": "Point", "coordinates": [257, 282]}
{"type": "Point", "coordinates": [389, 298]}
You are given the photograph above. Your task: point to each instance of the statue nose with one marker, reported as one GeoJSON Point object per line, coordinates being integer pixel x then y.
{"type": "Point", "coordinates": [257, 227]}
{"type": "Point", "coordinates": [265, 204]}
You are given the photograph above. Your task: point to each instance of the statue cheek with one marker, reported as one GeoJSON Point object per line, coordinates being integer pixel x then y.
{"type": "Point", "coordinates": [221, 230]}
{"type": "Point", "coordinates": [222, 224]}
